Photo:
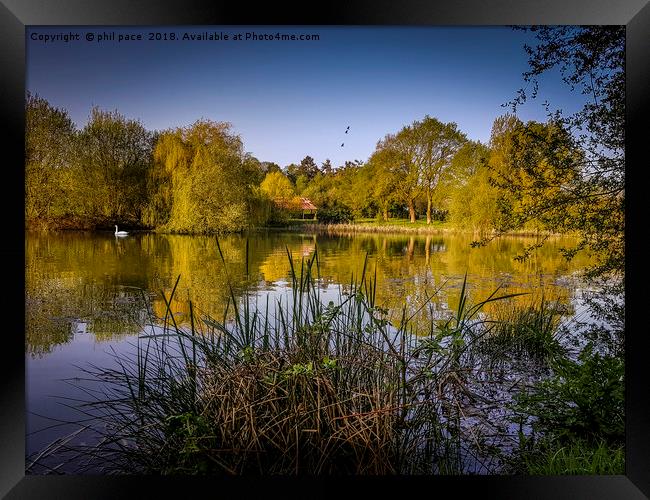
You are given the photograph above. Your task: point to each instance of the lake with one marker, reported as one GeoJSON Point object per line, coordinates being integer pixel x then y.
{"type": "Point", "coordinates": [90, 294]}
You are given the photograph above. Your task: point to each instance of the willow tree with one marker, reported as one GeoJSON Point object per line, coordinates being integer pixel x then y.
{"type": "Point", "coordinates": [49, 142]}
{"type": "Point", "coordinates": [278, 188]}
{"type": "Point", "coordinates": [204, 179]}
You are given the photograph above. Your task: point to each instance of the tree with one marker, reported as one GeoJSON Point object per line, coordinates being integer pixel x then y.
{"type": "Point", "coordinates": [416, 158]}
{"type": "Point", "coordinates": [209, 180]}
{"type": "Point", "coordinates": [401, 148]}
{"type": "Point", "coordinates": [268, 166]}
{"type": "Point", "coordinates": [307, 168]}
{"type": "Point", "coordinates": [114, 156]}
{"type": "Point", "coordinates": [49, 142]}
{"type": "Point", "coordinates": [472, 198]}
{"type": "Point", "coordinates": [592, 60]}
{"type": "Point", "coordinates": [534, 166]}
{"type": "Point", "coordinates": [436, 144]}
{"type": "Point", "coordinates": [383, 179]}
{"type": "Point", "coordinates": [292, 171]}
{"type": "Point", "coordinates": [326, 167]}
{"type": "Point", "coordinates": [355, 188]}
{"type": "Point", "coordinates": [278, 188]}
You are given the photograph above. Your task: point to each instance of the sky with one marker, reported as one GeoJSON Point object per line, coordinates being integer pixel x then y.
{"type": "Point", "coordinates": [291, 98]}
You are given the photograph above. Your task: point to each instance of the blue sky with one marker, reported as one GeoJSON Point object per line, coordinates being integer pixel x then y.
{"type": "Point", "coordinates": [289, 99]}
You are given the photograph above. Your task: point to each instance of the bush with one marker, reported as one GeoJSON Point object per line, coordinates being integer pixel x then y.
{"type": "Point", "coordinates": [584, 399]}
{"type": "Point", "coordinates": [334, 214]}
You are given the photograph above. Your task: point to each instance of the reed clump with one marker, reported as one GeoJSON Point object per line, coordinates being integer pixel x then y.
{"type": "Point", "coordinates": [526, 329]}
{"type": "Point", "coordinates": [297, 387]}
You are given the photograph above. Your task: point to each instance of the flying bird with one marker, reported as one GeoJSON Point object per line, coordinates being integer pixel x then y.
{"type": "Point", "coordinates": [346, 130]}
{"type": "Point", "coordinates": [342, 144]}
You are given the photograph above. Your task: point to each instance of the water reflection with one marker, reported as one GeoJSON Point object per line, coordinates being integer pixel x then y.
{"type": "Point", "coordinates": [114, 286]}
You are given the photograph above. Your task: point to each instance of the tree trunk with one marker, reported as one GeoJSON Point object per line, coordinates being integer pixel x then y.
{"type": "Point", "coordinates": [410, 249]}
{"type": "Point", "coordinates": [385, 214]}
{"type": "Point", "coordinates": [428, 206]}
{"type": "Point", "coordinates": [412, 210]}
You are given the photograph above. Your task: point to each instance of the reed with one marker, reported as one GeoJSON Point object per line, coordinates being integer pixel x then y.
{"type": "Point", "coordinates": [527, 330]}
{"type": "Point", "coordinates": [299, 386]}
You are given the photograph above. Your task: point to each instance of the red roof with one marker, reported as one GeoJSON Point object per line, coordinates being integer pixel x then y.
{"type": "Point", "coordinates": [305, 204]}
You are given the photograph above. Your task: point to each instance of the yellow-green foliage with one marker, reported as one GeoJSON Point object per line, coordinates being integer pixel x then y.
{"type": "Point", "coordinates": [277, 187]}
{"type": "Point", "coordinates": [84, 178]}
{"type": "Point", "coordinates": [49, 139]}
{"type": "Point", "coordinates": [205, 182]}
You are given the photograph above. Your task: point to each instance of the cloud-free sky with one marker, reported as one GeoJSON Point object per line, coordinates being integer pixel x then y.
{"type": "Point", "coordinates": [288, 99]}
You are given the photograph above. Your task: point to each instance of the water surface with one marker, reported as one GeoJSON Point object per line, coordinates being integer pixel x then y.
{"type": "Point", "coordinates": [89, 294]}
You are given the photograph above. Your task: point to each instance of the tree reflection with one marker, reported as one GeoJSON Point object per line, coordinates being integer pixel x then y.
{"type": "Point", "coordinates": [116, 286]}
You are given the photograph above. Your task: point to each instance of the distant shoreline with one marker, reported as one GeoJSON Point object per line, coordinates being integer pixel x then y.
{"type": "Point", "coordinates": [346, 228]}
{"type": "Point", "coordinates": [334, 229]}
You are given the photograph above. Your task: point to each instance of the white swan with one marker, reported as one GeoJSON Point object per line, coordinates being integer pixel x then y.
{"type": "Point", "coordinates": [120, 233]}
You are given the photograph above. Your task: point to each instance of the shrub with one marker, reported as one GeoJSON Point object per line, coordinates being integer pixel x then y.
{"type": "Point", "coordinates": [583, 400]}
{"type": "Point", "coordinates": [334, 214]}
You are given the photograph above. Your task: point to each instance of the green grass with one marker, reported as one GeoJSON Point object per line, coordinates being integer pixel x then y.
{"type": "Point", "coordinates": [578, 457]}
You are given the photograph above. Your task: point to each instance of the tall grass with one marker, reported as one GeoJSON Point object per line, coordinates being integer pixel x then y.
{"type": "Point", "coordinates": [297, 386]}
{"type": "Point", "coordinates": [527, 330]}
{"type": "Point", "coordinates": [576, 457]}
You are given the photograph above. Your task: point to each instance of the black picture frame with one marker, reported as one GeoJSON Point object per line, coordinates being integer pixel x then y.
{"type": "Point", "coordinates": [15, 15]}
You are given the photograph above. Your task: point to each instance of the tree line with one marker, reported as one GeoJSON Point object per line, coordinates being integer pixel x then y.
{"type": "Point", "coordinates": [199, 179]}
{"type": "Point", "coordinates": [563, 175]}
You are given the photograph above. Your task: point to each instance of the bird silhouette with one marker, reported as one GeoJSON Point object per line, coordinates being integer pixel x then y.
{"type": "Point", "coordinates": [342, 144]}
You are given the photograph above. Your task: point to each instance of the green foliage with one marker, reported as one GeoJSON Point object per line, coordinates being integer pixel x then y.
{"type": "Point", "coordinates": [472, 199]}
{"type": "Point", "coordinates": [307, 169]}
{"type": "Point", "coordinates": [533, 167]}
{"type": "Point", "coordinates": [93, 177]}
{"type": "Point", "coordinates": [379, 168]}
{"type": "Point", "coordinates": [583, 400]}
{"type": "Point", "coordinates": [113, 160]}
{"type": "Point", "coordinates": [438, 143]}
{"type": "Point", "coordinates": [579, 457]}
{"type": "Point", "coordinates": [278, 187]}
{"type": "Point", "coordinates": [334, 214]}
{"type": "Point", "coordinates": [591, 59]}
{"type": "Point", "coordinates": [49, 146]}
{"type": "Point", "coordinates": [209, 183]}
{"type": "Point", "coordinates": [413, 162]}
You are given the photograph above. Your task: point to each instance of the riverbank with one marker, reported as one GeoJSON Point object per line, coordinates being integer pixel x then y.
{"type": "Point", "coordinates": [360, 226]}
{"type": "Point", "coordinates": [401, 226]}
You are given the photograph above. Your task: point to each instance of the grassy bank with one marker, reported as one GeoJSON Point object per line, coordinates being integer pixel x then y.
{"type": "Point", "coordinates": [395, 226]}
